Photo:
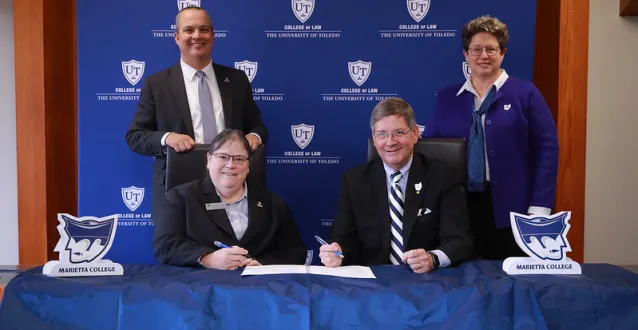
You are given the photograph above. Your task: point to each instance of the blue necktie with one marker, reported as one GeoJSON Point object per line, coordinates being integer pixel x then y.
{"type": "Point", "coordinates": [476, 146]}
{"type": "Point", "coordinates": [396, 214]}
{"type": "Point", "coordinates": [209, 124]}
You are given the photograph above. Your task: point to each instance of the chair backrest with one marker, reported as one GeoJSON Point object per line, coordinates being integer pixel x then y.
{"type": "Point", "coordinates": [191, 165]}
{"type": "Point", "coordinates": [449, 150]}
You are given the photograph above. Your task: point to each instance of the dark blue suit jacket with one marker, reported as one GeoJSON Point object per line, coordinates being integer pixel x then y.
{"type": "Point", "coordinates": [362, 220]}
{"type": "Point", "coordinates": [186, 229]}
{"type": "Point", "coordinates": [520, 139]}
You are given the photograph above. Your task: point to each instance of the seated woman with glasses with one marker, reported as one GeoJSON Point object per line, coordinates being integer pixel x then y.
{"type": "Point", "coordinates": [512, 144]}
{"type": "Point", "coordinates": [221, 222]}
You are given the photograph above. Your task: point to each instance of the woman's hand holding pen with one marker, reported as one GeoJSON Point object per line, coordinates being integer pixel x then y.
{"type": "Point", "coordinates": [226, 258]}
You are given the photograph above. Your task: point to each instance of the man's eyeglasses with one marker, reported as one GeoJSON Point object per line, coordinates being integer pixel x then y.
{"type": "Point", "coordinates": [477, 51]}
{"type": "Point", "coordinates": [399, 133]}
{"type": "Point", "coordinates": [237, 159]}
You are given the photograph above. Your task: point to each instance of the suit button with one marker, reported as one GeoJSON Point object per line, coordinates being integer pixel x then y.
{"type": "Point", "coordinates": [488, 122]}
{"type": "Point", "coordinates": [491, 153]}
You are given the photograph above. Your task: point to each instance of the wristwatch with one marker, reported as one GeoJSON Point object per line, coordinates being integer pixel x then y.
{"type": "Point", "coordinates": [435, 260]}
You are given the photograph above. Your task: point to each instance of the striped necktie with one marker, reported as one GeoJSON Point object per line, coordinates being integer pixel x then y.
{"type": "Point", "coordinates": [209, 124]}
{"type": "Point", "coordinates": [396, 214]}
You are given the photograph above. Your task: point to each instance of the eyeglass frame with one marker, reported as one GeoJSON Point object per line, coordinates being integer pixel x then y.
{"type": "Point", "coordinates": [396, 134]}
{"type": "Point", "coordinates": [471, 50]}
{"type": "Point", "coordinates": [218, 155]}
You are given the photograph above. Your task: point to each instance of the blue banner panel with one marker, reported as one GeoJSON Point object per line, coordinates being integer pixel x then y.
{"type": "Point", "coordinates": [317, 69]}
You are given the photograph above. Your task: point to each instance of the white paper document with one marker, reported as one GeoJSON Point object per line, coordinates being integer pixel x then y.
{"type": "Point", "coordinates": [346, 271]}
{"type": "Point", "coordinates": [274, 269]}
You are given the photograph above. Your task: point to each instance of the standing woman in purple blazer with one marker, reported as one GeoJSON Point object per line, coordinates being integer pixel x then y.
{"type": "Point", "coordinates": [512, 144]}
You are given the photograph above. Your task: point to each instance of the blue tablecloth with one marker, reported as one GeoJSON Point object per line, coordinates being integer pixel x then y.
{"type": "Point", "coordinates": [476, 295]}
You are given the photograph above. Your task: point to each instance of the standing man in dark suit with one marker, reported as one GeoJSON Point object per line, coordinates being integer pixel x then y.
{"type": "Point", "coordinates": [402, 207]}
{"type": "Point", "coordinates": [191, 101]}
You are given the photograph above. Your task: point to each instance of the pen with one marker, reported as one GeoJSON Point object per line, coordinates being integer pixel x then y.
{"type": "Point", "coordinates": [322, 242]}
{"type": "Point", "coordinates": [224, 246]}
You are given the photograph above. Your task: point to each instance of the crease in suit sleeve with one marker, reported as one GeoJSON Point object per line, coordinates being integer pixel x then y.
{"type": "Point", "coordinates": [142, 136]}
{"type": "Point", "coordinates": [171, 244]}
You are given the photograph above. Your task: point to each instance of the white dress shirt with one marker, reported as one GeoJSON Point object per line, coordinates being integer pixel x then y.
{"type": "Point", "coordinates": [237, 213]}
{"type": "Point", "coordinates": [190, 82]}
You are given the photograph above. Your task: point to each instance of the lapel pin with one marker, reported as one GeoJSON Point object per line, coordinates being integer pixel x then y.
{"type": "Point", "coordinates": [226, 79]}
{"type": "Point", "coordinates": [259, 204]}
{"type": "Point", "coordinates": [507, 107]}
{"type": "Point", "coordinates": [418, 187]}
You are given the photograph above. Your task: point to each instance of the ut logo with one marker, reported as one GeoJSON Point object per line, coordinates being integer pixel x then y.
{"type": "Point", "coordinates": [359, 71]}
{"type": "Point", "coordinates": [418, 9]}
{"type": "Point", "coordinates": [302, 134]}
{"type": "Point", "coordinates": [250, 68]}
{"type": "Point", "coordinates": [303, 9]}
{"type": "Point", "coordinates": [132, 197]}
{"type": "Point", "coordinates": [133, 71]}
{"type": "Point", "coordinates": [181, 4]}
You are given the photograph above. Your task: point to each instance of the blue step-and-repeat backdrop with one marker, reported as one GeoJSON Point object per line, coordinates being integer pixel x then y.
{"type": "Point", "coordinates": [317, 68]}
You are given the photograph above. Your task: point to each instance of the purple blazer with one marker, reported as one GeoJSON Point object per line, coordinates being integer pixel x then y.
{"type": "Point", "coordinates": [520, 139]}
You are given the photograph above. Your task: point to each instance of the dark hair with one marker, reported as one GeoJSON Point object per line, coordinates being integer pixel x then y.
{"type": "Point", "coordinates": [192, 8]}
{"type": "Point", "coordinates": [489, 24]}
{"type": "Point", "coordinates": [226, 136]}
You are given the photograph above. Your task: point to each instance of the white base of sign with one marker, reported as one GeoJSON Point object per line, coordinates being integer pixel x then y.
{"type": "Point", "coordinates": [521, 266]}
{"type": "Point", "coordinates": [100, 268]}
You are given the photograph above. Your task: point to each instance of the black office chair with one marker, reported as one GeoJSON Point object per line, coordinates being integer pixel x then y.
{"type": "Point", "coordinates": [449, 150]}
{"type": "Point", "coordinates": [188, 166]}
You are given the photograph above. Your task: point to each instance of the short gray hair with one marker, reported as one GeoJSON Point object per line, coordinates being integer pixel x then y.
{"type": "Point", "coordinates": [192, 8]}
{"type": "Point", "coordinates": [393, 106]}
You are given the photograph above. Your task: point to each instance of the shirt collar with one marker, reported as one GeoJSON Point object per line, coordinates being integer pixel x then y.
{"type": "Point", "coordinates": [468, 84]}
{"type": "Point", "coordinates": [404, 170]}
{"type": "Point", "coordinates": [189, 72]}
{"type": "Point", "coordinates": [244, 196]}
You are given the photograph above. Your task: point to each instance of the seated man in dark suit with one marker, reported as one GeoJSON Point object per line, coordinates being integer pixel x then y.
{"type": "Point", "coordinates": [402, 207]}
{"type": "Point", "coordinates": [255, 224]}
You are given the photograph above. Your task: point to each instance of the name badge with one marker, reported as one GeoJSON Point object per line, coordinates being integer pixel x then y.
{"type": "Point", "coordinates": [215, 206]}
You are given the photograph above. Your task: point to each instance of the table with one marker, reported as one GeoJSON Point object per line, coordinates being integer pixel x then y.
{"type": "Point", "coordinates": [9, 272]}
{"type": "Point", "coordinates": [475, 295]}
